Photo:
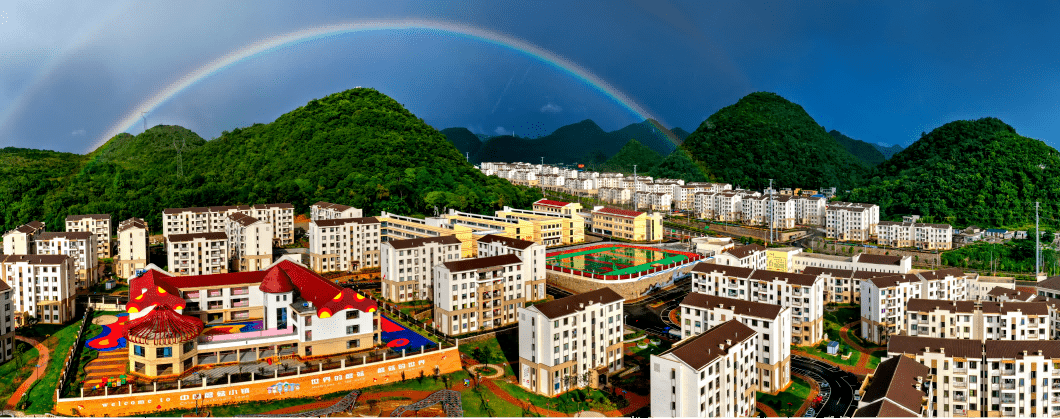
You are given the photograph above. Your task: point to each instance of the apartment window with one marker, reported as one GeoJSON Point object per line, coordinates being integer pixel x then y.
{"type": "Point", "coordinates": [163, 352]}
{"type": "Point", "coordinates": [353, 329]}
{"type": "Point", "coordinates": [138, 350]}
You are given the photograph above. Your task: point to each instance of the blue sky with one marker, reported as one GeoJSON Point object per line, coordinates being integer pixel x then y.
{"type": "Point", "coordinates": [878, 72]}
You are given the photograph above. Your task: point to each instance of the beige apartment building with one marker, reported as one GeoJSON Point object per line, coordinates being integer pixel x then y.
{"type": "Point", "coordinates": [532, 254]}
{"type": "Point", "coordinates": [133, 253]}
{"type": "Point", "coordinates": [407, 265]}
{"type": "Point", "coordinates": [281, 216]}
{"type": "Point", "coordinates": [98, 224]}
{"type": "Point", "coordinates": [478, 294]}
{"type": "Point", "coordinates": [919, 235]}
{"type": "Point", "coordinates": [328, 211]}
{"type": "Point", "coordinates": [400, 227]}
{"type": "Point", "coordinates": [616, 196]}
{"type": "Point", "coordinates": [213, 220]}
{"type": "Point", "coordinates": [550, 229]}
{"type": "Point", "coordinates": [628, 225]}
{"type": "Point", "coordinates": [249, 243]}
{"type": "Point", "coordinates": [344, 244]}
{"type": "Point", "coordinates": [80, 246]}
{"type": "Point", "coordinates": [851, 221]}
{"type": "Point", "coordinates": [43, 286]}
{"type": "Point", "coordinates": [557, 207]}
{"type": "Point", "coordinates": [22, 239]}
{"type": "Point", "coordinates": [197, 253]}
{"type": "Point", "coordinates": [7, 321]}
{"type": "Point", "coordinates": [978, 320]}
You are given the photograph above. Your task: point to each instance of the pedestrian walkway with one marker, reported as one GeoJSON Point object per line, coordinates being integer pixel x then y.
{"type": "Point", "coordinates": [865, 353]}
{"type": "Point", "coordinates": [768, 411]}
{"type": "Point", "coordinates": [108, 365]}
{"type": "Point", "coordinates": [815, 389]}
{"type": "Point", "coordinates": [38, 372]}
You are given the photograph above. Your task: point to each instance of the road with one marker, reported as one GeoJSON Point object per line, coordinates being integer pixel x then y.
{"type": "Point", "coordinates": [643, 317]}
{"type": "Point", "coordinates": [839, 395]}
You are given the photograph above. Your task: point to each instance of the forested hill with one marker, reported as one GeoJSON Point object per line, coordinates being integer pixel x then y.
{"type": "Point", "coordinates": [633, 153]}
{"type": "Point", "coordinates": [582, 142]}
{"type": "Point", "coordinates": [764, 136]}
{"type": "Point", "coordinates": [464, 140]}
{"type": "Point", "coordinates": [358, 147]}
{"type": "Point", "coordinates": [969, 172]}
{"type": "Point", "coordinates": [888, 151]}
{"type": "Point", "coordinates": [867, 153]}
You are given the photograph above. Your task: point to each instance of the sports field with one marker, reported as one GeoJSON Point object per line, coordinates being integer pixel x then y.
{"type": "Point", "coordinates": [615, 259]}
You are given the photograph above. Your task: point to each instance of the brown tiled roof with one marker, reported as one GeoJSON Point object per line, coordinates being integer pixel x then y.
{"type": "Point", "coordinates": [879, 259]}
{"type": "Point", "coordinates": [344, 221]}
{"type": "Point", "coordinates": [69, 235]}
{"type": "Point", "coordinates": [744, 251]}
{"type": "Point", "coordinates": [941, 274]}
{"type": "Point", "coordinates": [963, 348]}
{"type": "Point", "coordinates": [29, 228]}
{"type": "Point", "coordinates": [1036, 308]}
{"type": "Point", "coordinates": [1015, 348]}
{"type": "Point", "coordinates": [736, 271]}
{"type": "Point", "coordinates": [505, 241]}
{"type": "Point", "coordinates": [701, 350]}
{"type": "Point", "coordinates": [176, 238]}
{"type": "Point", "coordinates": [270, 206]}
{"type": "Point", "coordinates": [336, 207]}
{"type": "Point", "coordinates": [895, 379]}
{"type": "Point", "coordinates": [417, 242]}
{"type": "Point", "coordinates": [226, 208]}
{"type": "Point", "coordinates": [3, 285]}
{"type": "Point", "coordinates": [1051, 283]}
{"type": "Point", "coordinates": [189, 209]}
{"type": "Point", "coordinates": [883, 408]}
{"type": "Point", "coordinates": [37, 259]}
{"type": "Point", "coordinates": [790, 278]}
{"type": "Point", "coordinates": [90, 216]}
{"type": "Point", "coordinates": [741, 307]}
{"type": "Point", "coordinates": [132, 223]}
{"type": "Point", "coordinates": [574, 303]}
{"type": "Point", "coordinates": [479, 263]}
{"type": "Point", "coordinates": [893, 279]}
{"type": "Point", "coordinates": [242, 218]}
{"type": "Point", "coordinates": [926, 305]}
{"type": "Point", "coordinates": [1011, 294]}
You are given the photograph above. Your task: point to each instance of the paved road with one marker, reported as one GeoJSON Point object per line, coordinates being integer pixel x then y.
{"type": "Point", "coordinates": [839, 395]}
{"type": "Point", "coordinates": [641, 316]}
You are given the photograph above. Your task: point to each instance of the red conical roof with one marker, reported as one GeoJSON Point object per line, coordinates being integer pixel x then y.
{"type": "Point", "coordinates": [276, 281]}
{"type": "Point", "coordinates": [163, 326]}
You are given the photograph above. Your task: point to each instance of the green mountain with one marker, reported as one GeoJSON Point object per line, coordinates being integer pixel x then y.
{"type": "Point", "coordinates": [679, 165]}
{"type": "Point", "coordinates": [583, 142]}
{"type": "Point", "coordinates": [633, 153]}
{"type": "Point", "coordinates": [764, 136]}
{"type": "Point", "coordinates": [358, 147]}
{"type": "Point", "coordinates": [463, 139]}
{"type": "Point", "coordinates": [681, 134]}
{"type": "Point", "coordinates": [890, 151]}
{"type": "Point", "coordinates": [969, 172]}
{"type": "Point", "coordinates": [867, 153]}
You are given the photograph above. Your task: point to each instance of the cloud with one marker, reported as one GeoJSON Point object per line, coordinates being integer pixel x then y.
{"type": "Point", "coordinates": [551, 108]}
{"type": "Point", "coordinates": [502, 131]}
{"type": "Point", "coordinates": [78, 132]}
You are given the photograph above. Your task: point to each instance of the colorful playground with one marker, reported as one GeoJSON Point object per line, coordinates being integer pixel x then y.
{"type": "Point", "coordinates": [616, 259]}
{"type": "Point", "coordinates": [397, 337]}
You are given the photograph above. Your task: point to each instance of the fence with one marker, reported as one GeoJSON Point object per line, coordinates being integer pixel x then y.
{"type": "Point", "coordinates": [692, 257]}
{"type": "Point", "coordinates": [73, 358]}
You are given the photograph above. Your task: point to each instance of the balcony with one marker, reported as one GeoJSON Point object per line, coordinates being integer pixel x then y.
{"type": "Point", "coordinates": [958, 370]}
{"type": "Point", "coordinates": [240, 303]}
{"type": "Point", "coordinates": [240, 291]}
{"type": "Point", "coordinates": [960, 398]}
{"type": "Point", "coordinates": [796, 303]}
{"type": "Point", "coordinates": [959, 412]}
{"type": "Point", "coordinates": [1010, 371]}
{"type": "Point", "coordinates": [1008, 386]}
{"type": "Point", "coordinates": [959, 384]}
{"type": "Point", "coordinates": [1007, 400]}
{"type": "Point", "coordinates": [214, 293]}
{"type": "Point", "coordinates": [215, 306]}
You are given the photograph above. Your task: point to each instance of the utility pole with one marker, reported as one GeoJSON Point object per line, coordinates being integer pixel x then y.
{"type": "Point", "coordinates": [467, 156]}
{"type": "Point", "coordinates": [634, 194]}
{"type": "Point", "coordinates": [771, 210]}
{"type": "Point", "coordinates": [1037, 244]}
{"type": "Point", "coordinates": [144, 116]}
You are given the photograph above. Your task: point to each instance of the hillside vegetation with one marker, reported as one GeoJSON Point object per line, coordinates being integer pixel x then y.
{"type": "Point", "coordinates": [582, 142]}
{"type": "Point", "coordinates": [464, 140]}
{"type": "Point", "coordinates": [969, 172]}
{"type": "Point", "coordinates": [358, 147]}
{"type": "Point", "coordinates": [633, 153]}
{"type": "Point", "coordinates": [867, 153]}
{"type": "Point", "coordinates": [764, 136]}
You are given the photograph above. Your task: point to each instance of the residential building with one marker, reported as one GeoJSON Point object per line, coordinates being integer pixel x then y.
{"type": "Point", "coordinates": [842, 286]}
{"type": "Point", "coordinates": [80, 246]}
{"type": "Point", "coordinates": [133, 253]}
{"type": "Point", "coordinates": [616, 196]}
{"type": "Point", "coordinates": [579, 336]}
{"type": "Point", "coordinates": [328, 211]}
{"type": "Point", "coordinates": [7, 320]}
{"type": "Point", "coordinates": [781, 212]}
{"type": "Point", "coordinates": [700, 312]}
{"type": "Point", "coordinates": [810, 210]}
{"type": "Point", "coordinates": [213, 219]}
{"type": "Point", "coordinates": [979, 286]}
{"type": "Point", "coordinates": [884, 299]}
{"type": "Point", "coordinates": [98, 224]}
{"type": "Point", "coordinates": [978, 320]}
{"type": "Point", "coordinates": [748, 256]}
{"type": "Point", "coordinates": [719, 206]}
{"type": "Point", "coordinates": [850, 221]}
{"type": "Point", "coordinates": [1001, 293]}
{"type": "Point", "coordinates": [281, 216]}
{"type": "Point", "coordinates": [301, 315]}
{"type": "Point", "coordinates": [344, 244]}
{"type": "Point", "coordinates": [1049, 287]}
{"type": "Point", "coordinates": [478, 294]}
{"type": "Point", "coordinates": [654, 201]}
{"type": "Point", "coordinates": [898, 388]}
{"type": "Point", "coordinates": [861, 262]}
{"type": "Point", "coordinates": [399, 227]}
{"type": "Point", "coordinates": [557, 207]}
{"type": "Point", "coordinates": [22, 239]}
{"type": "Point", "coordinates": [919, 235]}
{"type": "Point", "coordinates": [198, 253]}
{"type": "Point", "coordinates": [533, 257]}
{"type": "Point", "coordinates": [514, 228]}
{"type": "Point", "coordinates": [627, 225]}
{"type": "Point", "coordinates": [550, 228]}
{"type": "Point", "coordinates": [408, 265]}
{"type": "Point", "coordinates": [708, 375]}
{"type": "Point", "coordinates": [249, 243]}
{"type": "Point", "coordinates": [43, 287]}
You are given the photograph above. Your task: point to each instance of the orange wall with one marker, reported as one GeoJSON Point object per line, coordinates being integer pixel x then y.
{"type": "Point", "coordinates": [307, 385]}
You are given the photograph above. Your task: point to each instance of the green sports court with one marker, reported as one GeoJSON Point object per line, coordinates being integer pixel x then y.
{"type": "Point", "coordinates": [616, 259]}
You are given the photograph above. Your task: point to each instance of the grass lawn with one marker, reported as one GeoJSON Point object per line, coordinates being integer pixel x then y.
{"type": "Point", "coordinates": [61, 341]}
{"type": "Point", "coordinates": [835, 320]}
{"type": "Point", "coordinates": [853, 335]}
{"type": "Point", "coordinates": [820, 351]}
{"type": "Point", "coordinates": [14, 376]}
{"type": "Point", "coordinates": [787, 402]}
{"type": "Point", "coordinates": [663, 346]}
{"type": "Point", "coordinates": [87, 355]}
{"type": "Point", "coordinates": [561, 403]}
{"type": "Point", "coordinates": [502, 349]}
{"type": "Point", "coordinates": [875, 359]}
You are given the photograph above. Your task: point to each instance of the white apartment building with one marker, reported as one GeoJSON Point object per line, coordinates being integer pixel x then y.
{"type": "Point", "coordinates": [133, 254]}
{"type": "Point", "coordinates": [754, 210]}
{"type": "Point", "coordinates": [578, 336]}
{"type": "Point", "coordinates": [810, 210]}
{"type": "Point", "coordinates": [213, 219]}
{"type": "Point", "coordinates": [719, 206]}
{"type": "Point", "coordinates": [782, 214]}
{"type": "Point", "coordinates": [997, 378]}
{"type": "Point", "coordinates": [344, 244]}
{"type": "Point", "coordinates": [614, 195]}
{"type": "Point", "coordinates": [43, 286]}
{"type": "Point", "coordinates": [655, 201]}
{"type": "Point", "coordinates": [281, 216]}
{"type": "Point", "coordinates": [249, 243]}
{"type": "Point", "coordinates": [861, 262]}
{"type": "Point", "coordinates": [843, 286]}
{"type": "Point", "coordinates": [709, 375]}
{"type": "Point", "coordinates": [850, 221]}
{"type": "Point", "coordinates": [978, 320]}
{"type": "Point", "coordinates": [197, 253]}
{"type": "Point", "coordinates": [328, 211]}
{"type": "Point", "coordinates": [478, 294]}
{"type": "Point", "coordinates": [884, 299]}
{"type": "Point", "coordinates": [700, 312]}
{"type": "Point", "coordinates": [533, 257]}
{"type": "Point", "coordinates": [22, 239]}
{"type": "Point", "coordinates": [7, 320]}
{"type": "Point", "coordinates": [580, 185]}
{"type": "Point", "coordinates": [804, 294]}
{"type": "Point", "coordinates": [551, 181]}
{"type": "Point", "coordinates": [748, 256]}
{"type": "Point", "coordinates": [609, 180]}
{"type": "Point", "coordinates": [918, 235]}
{"type": "Point", "coordinates": [98, 224]}
{"type": "Point", "coordinates": [80, 246]}
{"type": "Point", "coordinates": [408, 265]}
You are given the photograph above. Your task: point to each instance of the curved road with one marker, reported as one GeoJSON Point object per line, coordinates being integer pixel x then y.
{"type": "Point", "coordinates": [839, 395]}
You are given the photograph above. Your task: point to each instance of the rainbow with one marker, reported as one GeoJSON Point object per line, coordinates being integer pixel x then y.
{"type": "Point", "coordinates": [319, 32]}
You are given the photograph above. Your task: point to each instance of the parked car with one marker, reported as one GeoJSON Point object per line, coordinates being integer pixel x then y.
{"type": "Point", "coordinates": [824, 385]}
